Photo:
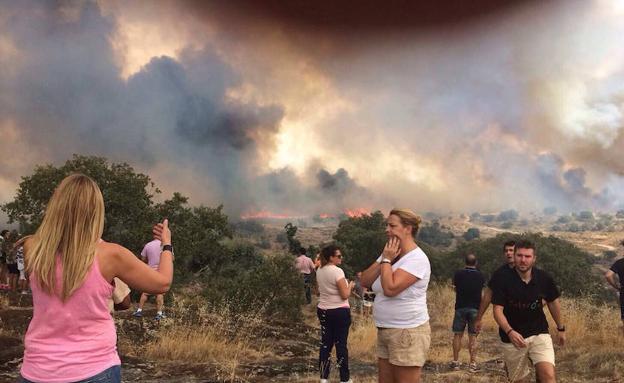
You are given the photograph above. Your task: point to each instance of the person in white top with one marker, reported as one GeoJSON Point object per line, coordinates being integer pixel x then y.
{"type": "Point", "coordinates": [333, 312]}
{"type": "Point", "coordinates": [399, 278]}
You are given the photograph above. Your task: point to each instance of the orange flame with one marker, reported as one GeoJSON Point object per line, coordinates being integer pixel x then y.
{"type": "Point", "coordinates": [265, 214]}
{"type": "Point", "coordinates": [357, 212]}
{"type": "Point", "coordinates": [325, 216]}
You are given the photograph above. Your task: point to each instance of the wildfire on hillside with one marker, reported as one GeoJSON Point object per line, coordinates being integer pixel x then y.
{"type": "Point", "coordinates": [265, 214]}
{"type": "Point", "coordinates": [357, 212]}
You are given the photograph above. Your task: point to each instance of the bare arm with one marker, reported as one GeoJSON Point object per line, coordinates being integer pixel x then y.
{"type": "Point", "coordinates": [486, 298]}
{"type": "Point", "coordinates": [555, 311]}
{"type": "Point", "coordinates": [610, 277]}
{"type": "Point", "coordinates": [344, 289]}
{"type": "Point", "coordinates": [394, 282]}
{"type": "Point", "coordinates": [370, 275]}
{"type": "Point", "coordinates": [140, 276]}
{"type": "Point", "coordinates": [501, 320]}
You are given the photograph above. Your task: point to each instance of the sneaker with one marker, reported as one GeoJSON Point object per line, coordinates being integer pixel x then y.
{"type": "Point", "coordinates": [473, 367]}
{"type": "Point", "coordinates": [455, 365]}
{"type": "Point", "coordinates": [324, 380]}
{"type": "Point", "coordinates": [24, 292]}
{"type": "Point", "coordinates": [160, 316]}
{"type": "Point", "coordinates": [138, 314]}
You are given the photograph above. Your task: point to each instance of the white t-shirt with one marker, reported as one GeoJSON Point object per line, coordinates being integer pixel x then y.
{"type": "Point", "coordinates": [327, 278]}
{"type": "Point", "coordinates": [409, 308]}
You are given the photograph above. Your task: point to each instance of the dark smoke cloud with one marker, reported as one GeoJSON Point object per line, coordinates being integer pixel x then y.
{"type": "Point", "coordinates": [446, 105]}
{"type": "Point", "coordinates": [567, 187]}
{"type": "Point", "coordinates": [172, 119]}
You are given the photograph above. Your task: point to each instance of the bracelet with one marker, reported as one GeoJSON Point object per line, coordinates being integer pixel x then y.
{"type": "Point", "coordinates": [509, 332]}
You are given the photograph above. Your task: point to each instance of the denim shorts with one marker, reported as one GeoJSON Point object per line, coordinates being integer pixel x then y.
{"type": "Point", "coordinates": [465, 316]}
{"type": "Point", "coordinates": [110, 375]}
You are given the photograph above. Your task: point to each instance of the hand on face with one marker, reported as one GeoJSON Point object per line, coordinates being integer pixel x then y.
{"type": "Point", "coordinates": [392, 248]}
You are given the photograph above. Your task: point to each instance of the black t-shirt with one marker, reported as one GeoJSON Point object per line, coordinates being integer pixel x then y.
{"type": "Point", "coordinates": [468, 285]}
{"type": "Point", "coordinates": [498, 276]}
{"type": "Point", "coordinates": [523, 302]}
{"type": "Point", "coordinates": [618, 268]}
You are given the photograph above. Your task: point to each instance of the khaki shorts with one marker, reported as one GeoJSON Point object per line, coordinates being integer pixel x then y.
{"type": "Point", "coordinates": [404, 346]}
{"type": "Point", "coordinates": [539, 349]}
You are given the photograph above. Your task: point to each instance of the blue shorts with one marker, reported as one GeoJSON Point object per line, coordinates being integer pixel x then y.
{"type": "Point", "coordinates": [110, 375]}
{"type": "Point", "coordinates": [463, 317]}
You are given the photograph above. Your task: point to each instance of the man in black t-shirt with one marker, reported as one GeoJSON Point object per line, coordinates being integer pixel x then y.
{"type": "Point", "coordinates": [518, 310]}
{"type": "Point", "coordinates": [468, 284]}
{"type": "Point", "coordinates": [508, 252]}
{"type": "Point", "coordinates": [618, 269]}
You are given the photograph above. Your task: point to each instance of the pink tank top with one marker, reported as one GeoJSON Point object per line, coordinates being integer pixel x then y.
{"type": "Point", "coordinates": [70, 341]}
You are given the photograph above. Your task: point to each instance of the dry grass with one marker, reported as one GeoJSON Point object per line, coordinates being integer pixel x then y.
{"type": "Point", "coordinates": [200, 334]}
{"type": "Point", "coordinates": [594, 350]}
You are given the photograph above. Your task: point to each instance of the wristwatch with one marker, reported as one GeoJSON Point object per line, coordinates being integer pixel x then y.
{"type": "Point", "coordinates": [561, 329]}
{"type": "Point", "coordinates": [385, 260]}
{"type": "Point", "coordinates": [167, 248]}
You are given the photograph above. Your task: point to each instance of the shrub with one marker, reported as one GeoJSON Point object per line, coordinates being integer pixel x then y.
{"type": "Point", "coordinates": [562, 259]}
{"type": "Point", "coordinates": [507, 225]}
{"type": "Point", "coordinates": [434, 235]}
{"type": "Point", "coordinates": [507, 215]}
{"type": "Point", "coordinates": [472, 233]}
{"type": "Point", "coordinates": [249, 227]}
{"type": "Point", "coordinates": [585, 216]}
{"type": "Point", "coordinates": [248, 286]}
{"type": "Point", "coordinates": [551, 210]}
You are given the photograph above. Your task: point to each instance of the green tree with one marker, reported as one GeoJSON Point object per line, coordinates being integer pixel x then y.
{"type": "Point", "coordinates": [472, 233]}
{"type": "Point", "coordinates": [293, 243]}
{"type": "Point", "coordinates": [362, 239]}
{"type": "Point", "coordinates": [434, 235]}
{"type": "Point", "coordinates": [197, 232]}
{"type": "Point", "coordinates": [128, 198]}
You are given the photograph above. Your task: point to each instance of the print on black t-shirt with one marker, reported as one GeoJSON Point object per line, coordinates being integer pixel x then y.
{"type": "Point", "coordinates": [522, 302]}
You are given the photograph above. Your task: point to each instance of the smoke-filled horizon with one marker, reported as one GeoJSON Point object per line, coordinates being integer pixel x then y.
{"type": "Point", "coordinates": [318, 109]}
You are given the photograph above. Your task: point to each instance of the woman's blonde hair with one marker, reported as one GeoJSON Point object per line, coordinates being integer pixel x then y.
{"type": "Point", "coordinates": [72, 225]}
{"type": "Point", "coordinates": [408, 218]}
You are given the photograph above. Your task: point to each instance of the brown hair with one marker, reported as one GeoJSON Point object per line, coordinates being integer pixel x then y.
{"type": "Point", "coordinates": [408, 218]}
{"type": "Point", "coordinates": [328, 252]}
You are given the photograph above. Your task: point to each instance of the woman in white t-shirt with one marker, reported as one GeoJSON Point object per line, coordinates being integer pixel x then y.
{"type": "Point", "coordinates": [399, 279]}
{"type": "Point", "coordinates": [333, 312]}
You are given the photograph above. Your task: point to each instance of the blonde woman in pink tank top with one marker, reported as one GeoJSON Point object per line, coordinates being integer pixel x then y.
{"type": "Point", "coordinates": [72, 337]}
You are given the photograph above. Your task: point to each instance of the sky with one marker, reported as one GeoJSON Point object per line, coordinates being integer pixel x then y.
{"type": "Point", "coordinates": [303, 108]}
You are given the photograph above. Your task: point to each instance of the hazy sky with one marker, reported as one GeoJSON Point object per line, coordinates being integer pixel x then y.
{"type": "Point", "coordinates": [320, 107]}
